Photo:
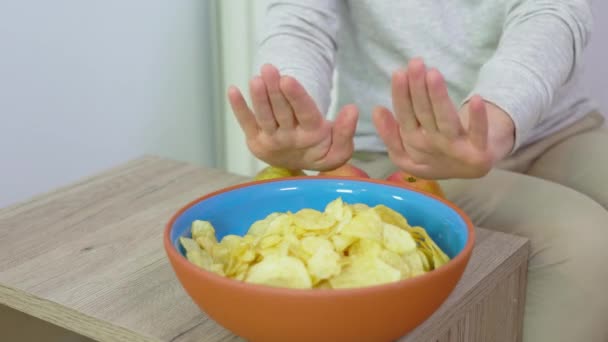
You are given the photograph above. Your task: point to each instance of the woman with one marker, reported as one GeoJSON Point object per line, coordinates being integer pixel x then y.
{"type": "Point", "coordinates": [481, 95]}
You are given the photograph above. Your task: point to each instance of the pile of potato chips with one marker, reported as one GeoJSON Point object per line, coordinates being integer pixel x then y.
{"type": "Point", "coordinates": [345, 246]}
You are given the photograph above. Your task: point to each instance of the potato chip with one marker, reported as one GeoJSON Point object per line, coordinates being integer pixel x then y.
{"type": "Point", "coordinates": [258, 228]}
{"type": "Point", "coordinates": [280, 271]}
{"type": "Point", "coordinates": [195, 254]}
{"type": "Point", "coordinates": [394, 260]}
{"type": "Point", "coordinates": [293, 246]}
{"type": "Point", "coordinates": [204, 234]}
{"type": "Point", "coordinates": [365, 225]}
{"type": "Point", "coordinates": [423, 234]}
{"type": "Point", "coordinates": [336, 209]}
{"type": "Point", "coordinates": [279, 224]}
{"type": "Point", "coordinates": [426, 265]}
{"type": "Point", "coordinates": [240, 276]}
{"type": "Point", "coordinates": [221, 254]}
{"type": "Point", "coordinates": [298, 252]}
{"type": "Point", "coordinates": [217, 268]}
{"type": "Point", "coordinates": [276, 250]}
{"type": "Point", "coordinates": [311, 244]}
{"type": "Point", "coordinates": [365, 247]}
{"type": "Point", "coordinates": [231, 241]}
{"type": "Point", "coordinates": [391, 216]}
{"type": "Point", "coordinates": [365, 271]}
{"type": "Point", "coordinates": [270, 241]}
{"type": "Point", "coordinates": [323, 285]}
{"type": "Point", "coordinates": [341, 212]}
{"type": "Point", "coordinates": [342, 242]}
{"type": "Point", "coordinates": [414, 263]}
{"type": "Point", "coordinates": [189, 244]}
{"type": "Point", "coordinates": [324, 263]}
{"type": "Point", "coordinates": [248, 256]}
{"type": "Point", "coordinates": [359, 207]}
{"type": "Point", "coordinates": [202, 228]}
{"type": "Point", "coordinates": [435, 253]}
{"type": "Point", "coordinates": [200, 258]}
{"type": "Point", "coordinates": [232, 265]}
{"type": "Point", "coordinates": [345, 246]}
{"type": "Point", "coordinates": [397, 240]}
{"type": "Point", "coordinates": [310, 219]}
{"type": "Point", "coordinates": [439, 258]}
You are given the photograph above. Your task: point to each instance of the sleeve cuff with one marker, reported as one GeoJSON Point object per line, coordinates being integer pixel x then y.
{"type": "Point", "coordinates": [515, 89]}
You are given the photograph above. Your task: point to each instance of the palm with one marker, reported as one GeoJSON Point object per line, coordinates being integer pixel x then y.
{"type": "Point", "coordinates": [285, 127]}
{"type": "Point", "coordinates": [299, 149]}
{"type": "Point", "coordinates": [427, 137]}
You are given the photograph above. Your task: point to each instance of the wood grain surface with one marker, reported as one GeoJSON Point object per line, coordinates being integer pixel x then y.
{"type": "Point", "coordinates": [89, 258]}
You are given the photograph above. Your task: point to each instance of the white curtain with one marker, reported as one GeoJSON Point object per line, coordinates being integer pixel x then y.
{"type": "Point", "coordinates": [238, 24]}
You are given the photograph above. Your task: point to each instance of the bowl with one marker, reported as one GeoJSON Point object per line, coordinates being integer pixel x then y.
{"type": "Point", "coordinates": [263, 313]}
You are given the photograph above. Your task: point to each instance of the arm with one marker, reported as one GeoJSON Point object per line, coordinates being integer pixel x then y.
{"type": "Point", "coordinates": [286, 126]}
{"type": "Point", "coordinates": [300, 40]}
{"type": "Point", "coordinates": [501, 130]}
{"type": "Point", "coordinates": [542, 44]}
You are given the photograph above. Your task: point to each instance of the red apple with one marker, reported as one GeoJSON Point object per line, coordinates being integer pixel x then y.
{"type": "Point", "coordinates": [346, 170]}
{"type": "Point", "coordinates": [426, 185]}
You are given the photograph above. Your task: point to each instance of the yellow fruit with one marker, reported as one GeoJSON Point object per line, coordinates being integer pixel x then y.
{"type": "Point", "coordinates": [272, 172]}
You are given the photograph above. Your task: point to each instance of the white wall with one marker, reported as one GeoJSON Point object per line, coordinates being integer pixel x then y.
{"type": "Point", "coordinates": [596, 73]}
{"type": "Point", "coordinates": [85, 85]}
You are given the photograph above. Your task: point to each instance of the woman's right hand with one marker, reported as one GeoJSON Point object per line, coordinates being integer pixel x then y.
{"type": "Point", "coordinates": [286, 128]}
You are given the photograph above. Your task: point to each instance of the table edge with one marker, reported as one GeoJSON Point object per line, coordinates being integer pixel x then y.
{"type": "Point", "coordinates": [519, 257]}
{"type": "Point", "coordinates": [84, 324]}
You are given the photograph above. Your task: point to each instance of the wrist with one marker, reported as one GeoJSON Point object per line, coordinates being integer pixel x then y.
{"type": "Point", "coordinates": [501, 130]}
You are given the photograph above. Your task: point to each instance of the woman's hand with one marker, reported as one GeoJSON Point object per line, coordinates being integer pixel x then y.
{"type": "Point", "coordinates": [285, 127]}
{"type": "Point", "coordinates": [426, 136]}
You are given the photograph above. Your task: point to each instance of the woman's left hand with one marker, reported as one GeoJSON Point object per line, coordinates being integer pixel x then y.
{"type": "Point", "coordinates": [427, 138]}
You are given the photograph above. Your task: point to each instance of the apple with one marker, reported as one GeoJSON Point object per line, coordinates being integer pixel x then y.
{"type": "Point", "coordinates": [346, 170]}
{"type": "Point", "coordinates": [271, 172]}
{"type": "Point", "coordinates": [426, 185]}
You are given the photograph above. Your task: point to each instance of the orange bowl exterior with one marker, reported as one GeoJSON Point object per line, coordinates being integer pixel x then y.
{"type": "Point", "coordinates": [268, 314]}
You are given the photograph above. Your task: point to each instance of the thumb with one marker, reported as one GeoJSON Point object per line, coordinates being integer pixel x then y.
{"type": "Point", "coordinates": [345, 125]}
{"type": "Point", "coordinates": [342, 134]}
{"type": "Point", "coordinates": [478, 122]}
{"type": "Point", "coordinates": [388, 129]}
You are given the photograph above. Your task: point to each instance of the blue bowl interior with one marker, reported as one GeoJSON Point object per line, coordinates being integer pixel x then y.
{"type": "Point", "coordinates": [234, 211]}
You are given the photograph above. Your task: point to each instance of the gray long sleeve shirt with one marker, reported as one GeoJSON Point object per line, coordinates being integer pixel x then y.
{"type": "Point", "coordinates": [524, 56]}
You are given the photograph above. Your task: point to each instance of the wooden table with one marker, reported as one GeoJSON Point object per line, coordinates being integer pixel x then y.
{"type": "Point", "coordinates": [89, 258]}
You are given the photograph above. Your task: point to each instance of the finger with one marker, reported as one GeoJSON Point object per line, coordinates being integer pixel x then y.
{"type": "Point", "coordinates": [306, 111]}
{"type": "Point", "coordinates": [416, 72]}
{"type": "Point", "coordinates": [402, 101]}
{"type": "Point", "coordinates": [446, 115]}
{"type": "Point", "coordinates": [388, 129]}
{"type": "Point", "coordinates": [343, 131]}
{"type": "Point", "coordinates": [389, 132]}
{"type": "Point", "coordinates": [345, 125]}
{"type": "Point", "coordinates": [280, 107]}
{"type": "Point", "coordinates": [478, 122]}
{"type": "Point", "coordinates": [261, 105]}
{"type": "Point", "coordinates": [243, 114]}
